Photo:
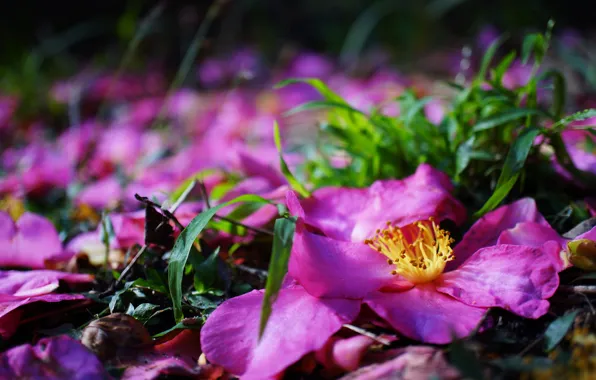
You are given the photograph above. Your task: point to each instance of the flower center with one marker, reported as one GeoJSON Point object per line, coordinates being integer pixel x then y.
{"type": "Point", "coordinates": [419, 250]}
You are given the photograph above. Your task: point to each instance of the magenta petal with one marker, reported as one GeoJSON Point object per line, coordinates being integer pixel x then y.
{"type": "Point", "coordinates": [37, 282]}
{"type": "Point", "coordinates": [486, 230]}
{"type": "Point", "coordinates": [354, 214]}
{"type": "Point", "coordinates": [34, 241]}
{"type": "Point", "coordinates": [530, 234]}
{"type": "Point", "coordinates": [425, 314]}
{"type": "Point", "coordinates": [9, 308]}
{"type": "Point", "coordinates": [299, 324]}
{"type": "Point", "coordinates": [52, 358]}
{"type": "Point", "coordinates": [334, 268]}
{"type": "Point", "coordinates": [348, 353]}
{"type": "Point", "coordinates": [7, 227]}
{"type": "Point", "coordinates": [512, 277]}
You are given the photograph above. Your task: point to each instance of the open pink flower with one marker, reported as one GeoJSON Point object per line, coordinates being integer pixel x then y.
{"type": "Point", "coordinates": [232, 342]}
{"type": "Point", "coordinates": [381, 246]}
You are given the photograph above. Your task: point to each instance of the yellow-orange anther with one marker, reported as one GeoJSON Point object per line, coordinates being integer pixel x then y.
{"type": "Point", "coordinates": [419, 250]}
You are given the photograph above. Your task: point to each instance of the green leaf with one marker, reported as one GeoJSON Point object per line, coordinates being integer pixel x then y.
{"type": "Point", "coordinates": [206, 273]}
{"type": "Point", "coordinates": [514, 163]}
{"type": "Point", "coordinates": [581, 115]}
{"type": "Point", "coordinates": [294, 183]}
{"type": "Point", "coordinates": [322, 104]}
{"type": "Point", "coordinates": [559, 92]}
{"type": "Point", "coordinates": [503, 66]}
{"type": "Point", "coordinates": [488, 57]}
{"type": "Point", "coordinates": [187, 324]}
{"type": "Point", "coordinates": [317, 84]}
{"type": "Point", "coordinates": [504, 117]}
{"type": "Point", "coordinates": [144, 311]}
{"type": "Point", "coordinates": [463, 155]}
{"type": "Point", "coordinates": [533, 43]}
{"type": "Point", "coordinates": [182, 247]}
{"type": "Point", "coordinates": [556, 331]}
{"type": "Point", "coordinates": [278, 266]}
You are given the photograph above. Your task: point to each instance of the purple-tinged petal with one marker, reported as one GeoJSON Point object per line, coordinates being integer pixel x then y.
{"type": "Point", "coordinates": [354, 214]}
{"type": "Point", "coordinates": [52, 358]}
{"type": "Point", "coordinates": [7, 227]}
{"type": "Point", "coordinates": [333, 268]}
{"type": "Point", "coordinates": [9, 308]}
{"type": "Point", "coordinates": [34, 241]}
{"type": "Point", "coordinates": [486, 231]}
{"type": "Point", "coordinates": [515, 278]}
{"type": "Point", "coordinates": [425, 314]}
{"type": "Point", "coordinates": [299, 324]}
{"type": "Point", "coordinates": [37, 282]}
{"type": "Point", "coordinates": [345, 353]}
{"type": "Point", "coordinates": [411, 363]}
{"type": "Point", "coordinates": [530, 234]}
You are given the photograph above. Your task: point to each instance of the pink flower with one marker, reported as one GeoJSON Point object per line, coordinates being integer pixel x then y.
{"type": "Point", "coordinates": [232, 342]}
{"type": "Point", "coordinates": [52, 358]}
{"type": "Point", "coordinates": [345, 253]}
{"type": "Point", "coordinates": [35, 169]}
{"type": "Point", "coordinates": [29, 241]}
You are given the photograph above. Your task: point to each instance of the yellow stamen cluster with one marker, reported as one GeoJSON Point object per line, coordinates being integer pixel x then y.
{"type": "Point", "coordinates": [419, 250]}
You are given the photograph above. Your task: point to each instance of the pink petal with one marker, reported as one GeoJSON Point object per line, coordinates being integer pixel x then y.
{"type": "Point", "coordinates": [590, 235]}
{"type": "Point", "coordinates": [354, 214]}
{"type": "Point", "coordinates": [9, 308]}
{"type": "Point", "coordinates": [7, 228]}
{"type": "Point", "coordinates": [52, 358]}
{"type": "Point", "coordinates": [37, 282]}
{"type": "Point", "coordinates": [412, 363]}
{"type": "Point", "coordinates": [299, 324]}
{"type": "Point", "coordinates": [334, 268]}
{"type": "Point", "coordinates": [348, 353]}
{"type": "Point", "coordinates": [530, 234]}
{"type": "Point", "coordinates": [35, 241]}
{"type": "Point", "coordinates": [425, 314]}
{"type": "Point", "coordinates": [486, 230]}
{"type": "Point", "coordinates": [512, 277]}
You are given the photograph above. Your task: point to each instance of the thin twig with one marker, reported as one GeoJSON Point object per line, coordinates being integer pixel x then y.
{"type": "Point", "coordinates": [364, 332]}
{"type": "Point", "coordinates": [182, 197]}
{"type": "Point", "coordinates": [530, 346]}
{"type": "Point", "coordinates": [130, 265]}
{"type": "Point", "coordinates": [584, 289]}
{"type": "Point", "coordinates": [205, 196]}
{"type": "Point", "coordinates": [255, 271]}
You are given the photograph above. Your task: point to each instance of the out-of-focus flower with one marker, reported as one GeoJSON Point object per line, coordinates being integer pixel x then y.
{"type": "Point", "coordinates": [61, 358]}
{"type": "Point", "coordinates": [29, 241]}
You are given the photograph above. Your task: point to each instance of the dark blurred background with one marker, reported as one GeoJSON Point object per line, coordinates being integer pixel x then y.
{"type": "Point", "coordinates": [407, 26]}
{"type": "Point", "coordinates": [42, 41]}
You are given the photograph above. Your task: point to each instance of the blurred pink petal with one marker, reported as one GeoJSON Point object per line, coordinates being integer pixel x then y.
{"type": "Point", "coordinates": [52, 358]}
{"type": "Point", "coordinates": [31, 240]}
{"type": "Point", "coordinates": [345, 353]}
{"type": "Point", "coordinates": [11, 314]}
{"type": "Point", "coordinates": [37, 282]}
{"type": "Point", "coordinates": [411, 363]}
